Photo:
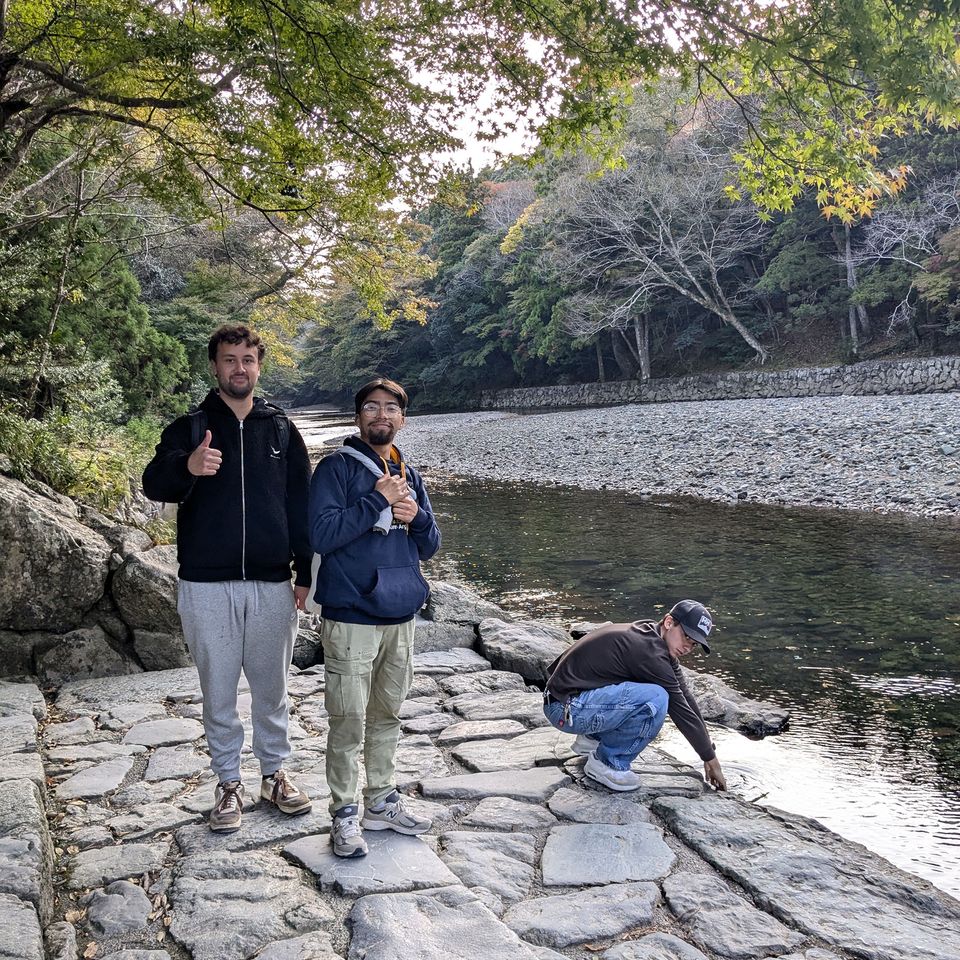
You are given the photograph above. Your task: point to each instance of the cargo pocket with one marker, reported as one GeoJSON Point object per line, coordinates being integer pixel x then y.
{"type": "Point", "coordinates": [348, 653]}
{"type": "Point", "coordinates": [395, 671]}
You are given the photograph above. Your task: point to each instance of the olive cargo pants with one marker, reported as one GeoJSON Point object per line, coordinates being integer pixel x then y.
{"type": "Point", "coordinates": [369, 669]}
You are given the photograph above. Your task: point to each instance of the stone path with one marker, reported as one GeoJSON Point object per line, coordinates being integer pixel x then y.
{"type": "Point", "coordinates": [104, 851]}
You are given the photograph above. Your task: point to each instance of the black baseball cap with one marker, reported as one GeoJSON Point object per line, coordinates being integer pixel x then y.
{"type": "Point", "coordinates": [695, 619]}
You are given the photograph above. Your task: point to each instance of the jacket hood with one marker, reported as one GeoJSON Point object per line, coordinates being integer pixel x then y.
{"type": "Point", "coordinates": [357, 444]}
{"type": "Point", "coordinates": [213, 403]}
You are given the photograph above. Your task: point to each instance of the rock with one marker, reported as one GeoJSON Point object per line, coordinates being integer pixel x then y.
{"type": "Point", "coordinates": [447, 924]}
{"type": "Point", "coordinates": [307, 684]}
{"type": "Point", "coordinates": [307, 649]}
{"type": "Point", "coordinates": [94, 752]}
{"type": "Point", "coordinates": [122, 907]}
{"type": "Point", "coordinates": [590, 806]}
{"type": "Point", "coordinates": [533, 785]}
{"type": "Point", "coordinates": [17, 651]}
{"type": "Point", "coordinates": [137, 955]}
{"type": "Point", "coordinates": [525, 647]}
{"type": "Point", "coordinates": [582, 627]}
{"type": "Point", "coordinates": [21, 698]}
{"type": "Point", "coordinates": [76, 731]}
{"type": "Point", "coordinates": [424, 686]}
{"type": "Point", "coordinates": [430, 636]}
{"type": "Point", "coordinates": [502, 813]}
{"type": "Point", "coordinates": [428, 723]}
{"type": "Point", "coordinates": [26, 853]}
{"type": "Point", "coordinates": [720, 703]}
{"type": "Point", "coordinates": [226, 905]}
{"type": "Point", "coordinates": [542, 747]}
{"type": "Point", "coordinates": [580, 855]}
{"type": "Point", "coordinates": [656, 946]}
{"type": "Point", "coordinates": [22, 939]}
{"type": "Point", "coordinates": [395, 864]}
{"type": "Point", "coordinates": [451, 604]}
{"type": "Point", "coordinates": [148, 819]}
{"type": "Point", "coordinates": [445, 663]}
{"type": "Point", "coordinates": [44, 542]}
{"type": "Point", "coordinates": [145, 590]}
{"type": "Point", "coordinates": [175, 763]}
{"type": "Point", "coordinates": [420, 707]}
{"type": "Point", "coordinates": [517, 705]}
{"type": "Point", "coordinates": [161, 651]}
{"type": "Point", "coordinates": [486, 681]}
{"type": "Point", "coordinates": [98, 867]}
{"type": "Point", "coordinates": [720, 921]}
{"type": "Point", "coordinates": [97, 780]}
{"type": "Point", "coordinates": [127, 714]}
{"type": "Point", "coordinates": [499, 862]}
{"type": "Point", "coordinates": [418, 759]}
{"type": "Point", "coordinates": [83, 653]}
{"type": "Point", "coordinates": [479, 730]}
{"type": "Point", "coordinates": [812, 880]}
{"type": "Point", "coordinates": [23, 766]}
{"type": "Point", "coordinates": [573, 918]}
{"type": "Point", "coordinates": [182, 685]}
{"type": "Point", "coordinates": [18, 734]}
{"type": "Point", "coordinates": [160, 733]}
{"type": "Point", "coordinates": [61, 941]}
{"type": "Point", "coordinates": [311, 946]}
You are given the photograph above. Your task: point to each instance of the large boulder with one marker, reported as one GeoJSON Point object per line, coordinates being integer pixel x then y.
{"type": "Point", "coordinates": [525, 647]}
{"type": "Point", "coordinates": [720, 703]}
{"type": "Point", "coordinates": [53, 569]}
{"type": "Point", "coordinates": [450, 604]}
{"type": "Point", "coordinates": [145, 590]}
{"type": "Point", "coordinates": [82, 655]}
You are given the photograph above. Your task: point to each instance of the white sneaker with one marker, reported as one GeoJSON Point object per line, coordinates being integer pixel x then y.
{"type": "Point", "coordinates": [619, 780]}
{"type": "Point", "coordinates": [346, 837]}
{"type": "Point", "coordinates": [583, 746]}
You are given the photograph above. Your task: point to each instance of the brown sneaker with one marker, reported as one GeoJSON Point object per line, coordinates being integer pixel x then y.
{"type": "Point", "coordinates": [228, 809]}
{"type": "Point", "coordinates": [284, 794]}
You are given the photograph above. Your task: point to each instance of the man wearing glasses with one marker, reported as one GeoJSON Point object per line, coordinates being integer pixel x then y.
{"type": "Point", "coordinates": [372, 523]}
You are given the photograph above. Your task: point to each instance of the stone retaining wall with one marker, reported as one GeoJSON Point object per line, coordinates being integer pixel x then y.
{"type": "Point", "coordinates": [928, 375]}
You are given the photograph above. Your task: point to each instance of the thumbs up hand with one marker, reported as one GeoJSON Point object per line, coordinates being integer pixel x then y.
{"type": "Point", "coordinates": [205, 460]}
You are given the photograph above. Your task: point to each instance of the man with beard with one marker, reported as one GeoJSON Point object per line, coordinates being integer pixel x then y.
{"type": "Point", "coordinates": [239, 471]}
{"type": "Point", "coordinates": [372, 523]}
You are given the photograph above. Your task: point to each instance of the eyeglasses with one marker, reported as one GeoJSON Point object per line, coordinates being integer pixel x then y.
{"type": "Point", "coordinates": [371, 407]}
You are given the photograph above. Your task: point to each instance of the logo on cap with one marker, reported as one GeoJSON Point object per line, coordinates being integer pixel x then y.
{"type": "Point", "coordinates": [705, 624]}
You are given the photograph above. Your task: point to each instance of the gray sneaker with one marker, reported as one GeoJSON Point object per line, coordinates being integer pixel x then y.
{"type": "Point", "coordinates": [227, 808]}
{"type": "Point", "coordinates": [619, 780]}
{"type": "Point", "coordinates": [583, 746]}
{"type": "Point", "coordinates": [345, 833]}
{"type": "Point", "coordinates": [391, 814]}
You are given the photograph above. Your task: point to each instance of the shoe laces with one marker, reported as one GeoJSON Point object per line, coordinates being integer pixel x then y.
{"type": "Point", "coordinates": [282, 786]}
{"type": "Point", "coordinates": [348, 828]}
{"type": "Point", "coordinates": [229, 797]}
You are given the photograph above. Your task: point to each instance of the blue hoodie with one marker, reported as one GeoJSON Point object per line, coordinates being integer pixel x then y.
{"type": "Point", "coordinates": [366, 576]}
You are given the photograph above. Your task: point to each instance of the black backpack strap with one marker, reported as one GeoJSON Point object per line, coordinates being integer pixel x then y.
{"type": "Point", "coordinates": [198, 427]}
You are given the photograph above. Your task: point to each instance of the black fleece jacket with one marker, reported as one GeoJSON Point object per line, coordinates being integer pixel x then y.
{"type": "Point", "coordinates": [249, 520]}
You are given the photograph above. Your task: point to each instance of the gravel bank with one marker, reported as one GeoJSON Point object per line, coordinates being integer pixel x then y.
{"type": "Point", "coordinates": [883, 454]}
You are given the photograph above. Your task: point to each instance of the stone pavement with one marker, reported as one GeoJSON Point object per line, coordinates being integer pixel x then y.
{"type": "Point", "coordinates": [104, 851]}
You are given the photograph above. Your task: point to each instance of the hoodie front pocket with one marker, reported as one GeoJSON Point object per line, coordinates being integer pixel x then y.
{"type": "Point", "coordinates": [397, 592]}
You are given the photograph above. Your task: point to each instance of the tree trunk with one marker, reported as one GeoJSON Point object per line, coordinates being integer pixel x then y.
{"type": "Point", "coordinates": [641, 331]}
{"type": "Point", "coordinates": [727, 316]}
{"type": "Point", "coordinates": [623, 354]}
{"type": "Point", "coordinates": [859, 321]}
{"type": "Point", "coordinates": [601, 372]}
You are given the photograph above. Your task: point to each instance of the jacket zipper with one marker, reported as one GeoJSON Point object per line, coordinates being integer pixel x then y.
{"type": "Point", "coordinates": [243, 510]}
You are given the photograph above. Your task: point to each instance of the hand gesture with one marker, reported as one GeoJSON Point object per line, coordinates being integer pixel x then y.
{"type": "Point", "coordinates": [714, 775]}
{"type": "Point", "coordinates": [392, 488]}
{"type": "Point", "coordinates": [205, 460]}
{"type": "Point", "coordinates": [405, 510]}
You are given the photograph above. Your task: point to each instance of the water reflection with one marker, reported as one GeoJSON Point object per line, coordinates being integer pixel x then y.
{"type": "Point", "coordinates": [853, 622]}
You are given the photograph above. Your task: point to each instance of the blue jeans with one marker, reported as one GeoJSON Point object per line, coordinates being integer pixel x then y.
{"type": "Point", "coordinates": [623, 718]}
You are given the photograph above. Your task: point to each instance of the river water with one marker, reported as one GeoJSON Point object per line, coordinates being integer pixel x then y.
{"type": "Point", "coordinates": [852, 621]}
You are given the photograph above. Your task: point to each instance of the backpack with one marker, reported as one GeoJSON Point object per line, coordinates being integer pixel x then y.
{"type": "Point", "coordinates": [198, 427]}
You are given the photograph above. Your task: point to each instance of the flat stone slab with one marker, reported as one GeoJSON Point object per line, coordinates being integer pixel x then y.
{"type": "Point", "coordinates": [419, 707]}
{"type": "Point", "coordinates": [18, 734]}
{"type": "Point", "coordinates": [502, 813]}
{"type": "Point", "coordinates": [311, 946]}
{"type": "Point", "coordinates": [499, 862]}
{"type": "Point", "coordinates": [164, 733]}
{"type": "Point", "coordinates": [817, 882]}
{"type": "Point", "coordinates": [395, 864]}
{"type": "Point", "coordinates": [22, 938]}
{"type": "Point", "coordinates": [125, 715]}
{"type": "Point", "coordinates": [440, 663]}
{"type": "Point", "coordinates": [262, 825]}
{"type": "Point", "coordinates": [306, 684]}
{"type": "Point", "coordinates": [573, 918]}
{"type": "Point", "coordinates": [449, 924]}
{"type": "Point", "coordinates": [21, 698]}
{"type": "Point", "coordinates": [656, 946]}
{"type": "Point", "coordinates": [23, 766]}
{"type": "Point", "coordinates": [95, 781]}
{"type": "Point", "coordinates": [487, 681]}
{"type": "Point", "coordinates": [103, 865]}
{"type": "Point", "coordinates": [154, 686]}
{"type": "Point", "coordinates": [534, 785]}
{"type": "Point", "coordinates": [719, 920]}
{"type": "Point", "coordinates": [121, 907]}
{"type": "Point", "coordinates": [227, 905]}
{"type": "Point", "coordinates": [418, 759]}
{"type": "Point", "coordinates": [75, 731]}
{"type": "Point", "coordinates": [520, 705]}
{"type": "Point", "coordinates": [26, 853]}
{"type": "Point", "coordinates": [527, 647]}
{"type": "Point", "coordinates": [591, 806]}
{"type": "Point", "coordinates": [428, 723]}
{"type": "Point", "coordinates": [95, 752]}
{"type": "Point", "coordinates": [148, 819]}
{"type": "Point", "coordinates": [545, 746]}
{"type": "Point", "coordinates": [467, 730]}
{"type": "Point", "coordinates": [585, 854]}
{"type": "Point", "coordinates": [175, 763]}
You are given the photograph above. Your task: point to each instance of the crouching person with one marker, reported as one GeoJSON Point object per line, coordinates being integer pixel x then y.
{"type": "Point", "coordinates": [615, 686]}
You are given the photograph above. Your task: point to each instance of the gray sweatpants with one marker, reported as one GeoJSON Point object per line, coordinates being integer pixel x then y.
{"type": "Point", "coordinates": [236, 625]}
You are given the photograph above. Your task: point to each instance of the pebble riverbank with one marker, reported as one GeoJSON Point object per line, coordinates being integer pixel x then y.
{"type": "Point", "coordinates": [883, 454]}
